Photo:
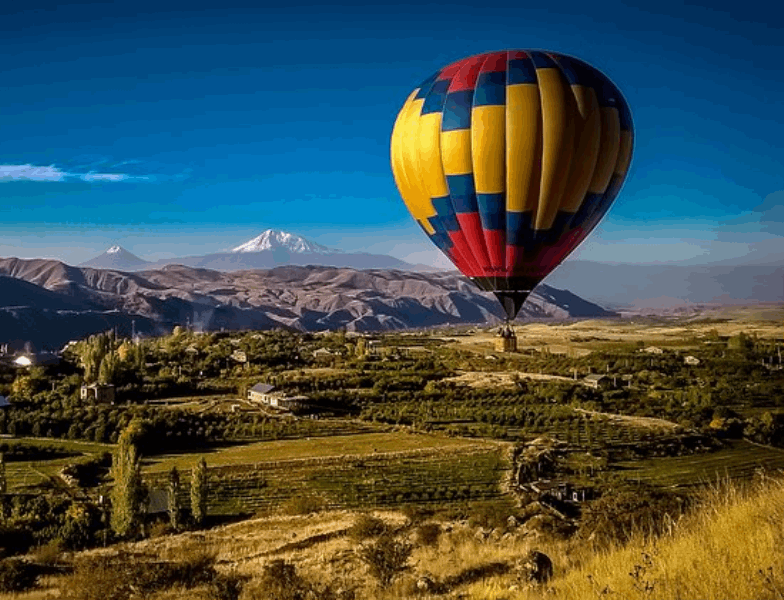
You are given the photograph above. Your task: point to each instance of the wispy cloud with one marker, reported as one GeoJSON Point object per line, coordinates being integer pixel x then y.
{"type": "Point", "coordinates": [31, 173]}
{"type": "Point", "coordinates": [92, 169]}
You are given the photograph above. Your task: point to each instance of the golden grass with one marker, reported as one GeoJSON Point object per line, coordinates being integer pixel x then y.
{"type": "Point", "coordinates": [667, 332]}
{"type": "Point", "coordinates": [730, 549]}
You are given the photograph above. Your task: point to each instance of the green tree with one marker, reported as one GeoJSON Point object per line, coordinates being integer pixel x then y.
{"type": "Point", "coordinates": [199, 492]}
{"type": "Point", "coordinates": [107, 372]}
{"type": "Point", "coordinates": [24, 386]}
{"type": "Point", "coordinates": [174, 502]}
{"type": "Point", "coordinates": [3, 480]}
{"type": "Point", "coordinates": [128, 494]}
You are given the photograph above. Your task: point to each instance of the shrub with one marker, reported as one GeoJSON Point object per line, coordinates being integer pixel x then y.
{"type": "Point", "coordinates": [279, 581]}
{"type": "Point", "coordinates": [125, 575]}
{"type": "Point", "coordinates": [617, 517]}
{"type": "Point", "coordinates": [17, 575]}
{"type": "Point", "coordinates": [386, 558]}
{"type": "Point", "coordinates": [367, 526]}
{"type": "Point", "coordinates": [227, 587]}
{"type": "Point", "coordinates": [159, 529]}
{"type": "Point", "coordinates": [490, 516]}
{"type": "Point", "coordinates": [48, 553]}
{"type": "Point", "coordinates": [303, 505]}
{"type": "Point", "coordinates": [427, 534]}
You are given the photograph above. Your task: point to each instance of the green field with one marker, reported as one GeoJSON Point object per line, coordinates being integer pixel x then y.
{"type": "Point", "coordinates": [321, 447]}
{"type": "Point", "coordinates": [376, 469]}
{"type": "Point", "coordinates": [741, 460]}
{"type": "Point", "coordinates": [20, 474]}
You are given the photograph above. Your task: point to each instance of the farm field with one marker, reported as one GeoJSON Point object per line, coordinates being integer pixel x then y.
{"type": "Point", "coordinates": [308, 448]}
{"type": "Point", "coordinates": [377, 469]}
{"type": "Point", "coordinates": [741, 460]}
{"type": "Point", "coordinates": [583, 337]}
{"type": "Point", "coordinates": [30, 473]}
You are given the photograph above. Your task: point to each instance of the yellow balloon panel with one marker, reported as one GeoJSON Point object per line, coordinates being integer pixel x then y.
{"type": "Point", "coordinates": [558, 108]}
{"type": "Point", "coordinates": [456, 151]}
{"type": "Point", "coordinates": [523, 147]}
{"type": "Point", "coordinates": [429, 147]}
{"type": "Point", "coordinates": [488, 125]}
{"type": "Point", "coordinates": [610, 144]}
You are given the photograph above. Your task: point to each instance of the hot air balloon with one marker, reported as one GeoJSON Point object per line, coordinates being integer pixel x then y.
{"type": "Point", "coordinates": [508, 160]}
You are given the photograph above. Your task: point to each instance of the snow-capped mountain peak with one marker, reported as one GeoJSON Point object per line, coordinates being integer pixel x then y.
{"type": "Point", "coordinates": [273, 239]}
{"type": "Point", "coordinates": [116, 257]}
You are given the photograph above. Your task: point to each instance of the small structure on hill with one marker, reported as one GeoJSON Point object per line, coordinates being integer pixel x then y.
{"type": "Point", "coordinates": [506, 340]}
{"type": "Point", "coordinates": [262, 393]}
{"type": "Point", "coordinates": [598, 381]}
{"type": "Point", "coordinates": [691, 360]}
{"type": "Point", "coordinates": [324, 354]}
{"type": "Point", "coordinates": [100, 393]}
{"type": "Point", "coordinates": [652, 350]}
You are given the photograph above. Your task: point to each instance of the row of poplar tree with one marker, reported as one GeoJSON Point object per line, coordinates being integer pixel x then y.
{"type": "Point", "coordinates": [129, 494]}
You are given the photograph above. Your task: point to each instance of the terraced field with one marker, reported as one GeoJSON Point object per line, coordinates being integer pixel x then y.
{"type": "Point", "coordinates": [347, 473]}
{"type": "Point", "coordinates": [741, 460]}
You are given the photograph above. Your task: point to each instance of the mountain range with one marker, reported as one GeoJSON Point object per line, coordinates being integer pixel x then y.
{"type": "Point", "coordinates": [48, 303]}
{"type": "Point", "coordinates": [270, 249]}
{"type": "Point", "coordinates": [279, 279]}
{"type": "Point", "coordinates": [618, 286]}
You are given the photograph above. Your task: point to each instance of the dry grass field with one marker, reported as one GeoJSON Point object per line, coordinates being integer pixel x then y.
{"type": "Point", "coordinates": [729, 547]}
{"type": "Point", "coordinates": [581, 337]}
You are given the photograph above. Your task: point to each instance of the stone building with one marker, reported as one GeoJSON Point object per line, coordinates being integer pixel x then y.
{"type": "Point", "coordinates": [100, 393]}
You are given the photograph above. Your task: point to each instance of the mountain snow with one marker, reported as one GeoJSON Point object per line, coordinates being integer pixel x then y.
{"type": "Point", "coordinates": [114, 250]}
{"type": "Point", "coordinates": [273, 239]}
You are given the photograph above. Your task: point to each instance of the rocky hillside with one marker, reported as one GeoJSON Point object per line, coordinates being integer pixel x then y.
{"type": "Point", "coordinates": [72, 302]}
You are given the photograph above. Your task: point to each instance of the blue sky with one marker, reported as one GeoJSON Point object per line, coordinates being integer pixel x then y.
{"type": "Point", "coordinates": [175, 130]}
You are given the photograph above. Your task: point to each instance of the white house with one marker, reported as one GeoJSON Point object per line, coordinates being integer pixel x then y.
{"type": "Point", "coordinates": [262, 392]}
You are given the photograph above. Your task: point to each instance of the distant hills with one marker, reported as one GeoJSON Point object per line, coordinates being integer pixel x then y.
{"type": "Point", "coordinates": [272, 248]}
{"type": "Point", "coordinates": [279, 279]}
{"type": "Point", "coordinates": [657, 287]}
{"type": "Point", "coordinates": [56, 302]}
{"type": "Point", "coordinates": [631, 287]}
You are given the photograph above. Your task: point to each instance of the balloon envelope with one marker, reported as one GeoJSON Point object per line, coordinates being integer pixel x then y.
{"type": "Point", "coordinates": [508, 160]}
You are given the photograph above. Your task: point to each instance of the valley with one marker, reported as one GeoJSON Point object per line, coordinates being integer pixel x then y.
{"type": "Point", "coordinates": [502, 452]}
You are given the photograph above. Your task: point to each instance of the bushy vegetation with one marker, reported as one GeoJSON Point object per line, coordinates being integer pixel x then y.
{"type": "Point", "coordinates": [17, 575]}
{"type": "Point", "coordinates": [123, 576]}
{"type": "Point", "coordinates": [38, 519]}
{"type": "Point", "coordinates": [386, 558]}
